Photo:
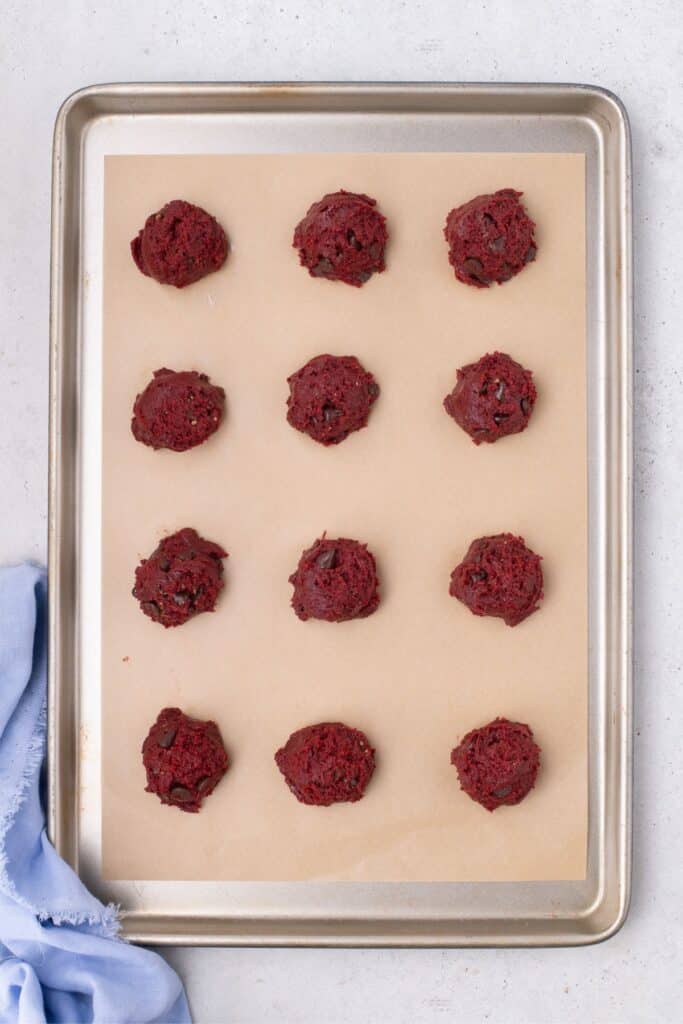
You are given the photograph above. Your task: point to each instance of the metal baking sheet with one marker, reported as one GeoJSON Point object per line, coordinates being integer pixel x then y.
{"type": "Point", "coordinates": [282, 118]}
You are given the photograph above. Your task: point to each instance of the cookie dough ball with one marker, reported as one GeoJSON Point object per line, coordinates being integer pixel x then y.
{"type": "Point", "coordinates": [328, 763]}
{"type": "Point", "coordinates": [330, 397]}
{"type": "Point", "coordinates": [498, 763]}
{"type": "Point", "coordinates": [180, 244]}
{"type": "Point", "coordinates": [490, 238]}
{"type": "Point", "coordinates": [499, 576]}
{"type": "Point", "coordinates": [342, 238]}
{"type": "Point", "coordinates": [184, 759]}
{"type": "Point", "coordinates": [335, 580]}
{"type": "Point", "coordinates": [180, 579]}
{"type": "Point", "coordinates": [492, 398]}
{"type": "Point", "coordinates": [177, 410]}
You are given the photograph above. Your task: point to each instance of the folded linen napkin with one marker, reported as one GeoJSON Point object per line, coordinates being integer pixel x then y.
{"type": "Point", "coordinates": [60, 958]}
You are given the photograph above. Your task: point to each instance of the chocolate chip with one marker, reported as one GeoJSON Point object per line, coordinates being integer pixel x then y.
{"type": "Point", "coordinates": [181, 599]}
{"type": "Point", "coordinates": [164, 565]}
{"type": "Point", "coordinates": [498, 418]}
{"type": "Point", "coordinates": [166, 739]}
{"type": "Point", "coordinates": [180, 794]}
{"type": "Point", "coordinates": [375, 250]}
{"type": "Point", "coordinates": [500, 390]}
{"type": "Point", "coordinates": [322, 268]}
{"type": "Point", "coordinates": [497, 244]}
{"type": "Point", "coordinates": [352, 240]}
{"type": "Point", "coordinates": [204, 783]}
{"type": "Point", "coordinates": [475, 268]}
{"type": "Point", "coordinates": [151, 608]}
{"type": "Point", "coordinates": [327, 559]}
{"type": "Point", "coordinates": [525, 406]}
{"type": "Point", "coordinates": [502, 792]}
{"type": "Point", "coordinates": [530, 254]}
{"type": "Point", "coordinates": [373, 389]}
{"type": "Point", "coordinates": [488, 219]}
{"type": "Point", "coordinates": [364, 276]}
{"type": "Point", "coordinates": [477, 577]}
{"type": "Point", "coordinates": [330, 413]}
{"type": "Point", "coordinates": [472, 266]}
{"type": "Point", "coordinates": [506, 272]}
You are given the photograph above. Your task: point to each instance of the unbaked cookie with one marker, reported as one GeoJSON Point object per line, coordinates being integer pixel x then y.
{"type": "Point", "coordinates": [498, 763]}
{"type": "Point", "coordinates": [490, 238]}
{"type": "Point", "coordinates": [327, 764]}
{"type": "Point", "coordinates": [499, 576]}
{"type": "Point", "coordinates": [335, 580]}
{"type": "Point", "coordinates": [181, 578]}
{"type": "Point", "coordinates": [179, 244]}
{"type": "Point", "coordinates": [342, 238]}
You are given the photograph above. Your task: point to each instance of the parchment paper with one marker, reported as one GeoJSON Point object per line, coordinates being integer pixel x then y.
{"type": "Point", "coordinates": [420, 672]}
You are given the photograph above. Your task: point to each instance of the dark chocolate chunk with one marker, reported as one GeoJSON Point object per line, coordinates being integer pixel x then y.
{"type": "Point", "coordinates": [180, 794]}
{"type": "Point", "coordinates": [166, 739]}
{"type": "Point", "coordinates": [322, 268]}
{"type": "Point", "coordinates": [327, 559]}
{"type": "Point", "coordinates": [475, 269]}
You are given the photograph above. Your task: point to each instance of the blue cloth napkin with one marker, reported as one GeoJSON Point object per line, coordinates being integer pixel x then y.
{"type": "Point", "coordinates": [60, 958]}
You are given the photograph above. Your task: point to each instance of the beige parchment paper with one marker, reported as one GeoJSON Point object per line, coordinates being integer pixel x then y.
{"type": "Point", "coordinates": [420, 672]}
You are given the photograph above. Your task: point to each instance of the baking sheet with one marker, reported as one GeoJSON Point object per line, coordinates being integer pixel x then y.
{"type": "Point", "coordinates": [421, 671]}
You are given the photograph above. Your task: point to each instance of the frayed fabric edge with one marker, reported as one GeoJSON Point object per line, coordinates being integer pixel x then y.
{"type": "Point", "coordinates": [32, 763]}
{"type": "Point", "coordinates": [107, 922]}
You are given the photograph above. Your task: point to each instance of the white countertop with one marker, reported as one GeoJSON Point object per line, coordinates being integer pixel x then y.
{"type": "Point", "coordinates": [634, 48]}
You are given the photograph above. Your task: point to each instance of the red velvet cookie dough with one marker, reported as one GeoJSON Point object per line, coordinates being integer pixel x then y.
{"type": "Point", "coordinates": [327, 764]}
{"type": "Point", "coordinates": [184, 759]}
{"type": "Point", "coordinates": [177, 410]}
{"type": "Point", "coordinates": [498, 763]}
{"type": "Point", "coordinates": [342, 238]}
{"type": "Point", "coordinates": [180, 244]}
{"type": "Point", "coordinates": [499, 576]}
{"type": "Point", "coordinates": [492, 398]}
{"type": "Point", "coordinates": [490, 238]}
{"type": "Point", "coordinates": [181, 578]}
{"type": "Point", "coordinates": [335, 580]}
{"type": "Point", "coordinates": [330, 397]}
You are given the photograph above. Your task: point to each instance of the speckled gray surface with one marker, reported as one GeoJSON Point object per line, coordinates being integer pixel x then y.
{"type": "Point", "coordinates": [635, 48]}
